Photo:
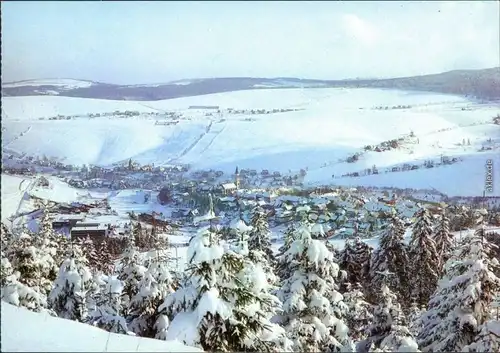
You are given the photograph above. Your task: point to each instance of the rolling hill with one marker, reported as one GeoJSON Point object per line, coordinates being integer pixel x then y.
{"type": "Point", "coordinates": [481, 84]}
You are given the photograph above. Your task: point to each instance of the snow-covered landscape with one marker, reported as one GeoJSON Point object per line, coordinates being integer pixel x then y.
{"type": "Point", "coordinates": [331, 125]}
{"type": "Point", "coordinates": [250, 177]}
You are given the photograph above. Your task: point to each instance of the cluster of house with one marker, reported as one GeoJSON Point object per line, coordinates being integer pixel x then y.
{"type": "Point", "coordinates": [116, 113]}
{"type": "Point", "coordinates": [393, 107]}
{"type": "Point", "coordinates": [234, 111]}
{"type": "Point", "coordinates": [444, 160]}
{"type": "Point", "coordinates": [332, 213]}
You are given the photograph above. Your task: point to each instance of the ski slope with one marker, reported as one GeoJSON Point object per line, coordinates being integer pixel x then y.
{"type": "Point", "coordinates": [26, 331]}
{"type": "Point", "coordinates": [331, 125]}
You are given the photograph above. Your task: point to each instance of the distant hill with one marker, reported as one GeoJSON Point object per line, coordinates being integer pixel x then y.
{"type": "Point", "coordinates": [482, 84]}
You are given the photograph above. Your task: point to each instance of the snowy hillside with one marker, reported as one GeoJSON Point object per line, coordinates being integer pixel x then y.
{"type": "Point", "coordinates": [26, 331]}
{"type": "Point", "coordinates": [323, 128]}
{"type": "Point", "coordinates": [60, 83]}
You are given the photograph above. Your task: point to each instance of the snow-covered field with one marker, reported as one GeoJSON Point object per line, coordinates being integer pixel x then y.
{"type": "Point", "coordinates": [333, 124]}
{"type": "Point", "coordinates": [12, 193]}
{"type": "Point", "coordinates": [26, 331]}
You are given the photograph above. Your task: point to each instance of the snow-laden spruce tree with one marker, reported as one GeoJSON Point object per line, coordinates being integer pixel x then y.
{"type": "Point", "coordinates": [16, 293]}
{"type": "Point", "coordinates": [392, 256]}
{"type": "Point", "coordinates": [424, 259]}
{"type": "Point", "coordinates": [283, 268]}
{"type": "Point", "coordinates": [156, 284]}
{"type": "Point", "coordinates": [388, 331]}
{"type": "Point", "coordinates": [462, 302]}
{"type": "Point", "coordinates": [443, 238]}
{"type": "Point", "coordinates": [359, 314]}
{"type": "Point", "coordinates": [6, 237]}
{"type": "Point", "coordinates": [33, 261]}
{"type": "Point", "coordinates": [130, 271]}
{"type": "Point", "coordinates": [488, 339]}
{"type": "Point", "coordinates": [223, 304]}
{"type": "Point", "coordinates": [415, 318]}
{"type": "Point", "coordinates": [260, 236]}
{"type": "Point", "coordinates": [313, 309]}
{"type": "Point", "coordinates": [73, 287]}
{"type": "Point", "coordinates": [288, 237]}
{"type": "Point", "coordinates": [90, 252]}
{"type": "Point", "coordinates": [355, 260]}
{"type": "Point", "coordinates": [19, 294]}
{"type": "Point", "coordinates": [106, 314]}
{"type": "Point", "coordinates": [105, 264]}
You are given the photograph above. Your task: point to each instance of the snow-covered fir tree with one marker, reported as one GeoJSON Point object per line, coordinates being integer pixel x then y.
{"type": "Point", "coordinates": [19, 294]}
{"type": "Point", "coordinates": [288, 238]}
{"type": "Point", "coordinates": [488, 339]}
{"type": "Point", "coordinates": [131, 272]}
{"type": "Point", "coordinates": [424, 259]}
{"type": "Point", "coordinates": [90, 252]}
{"type": "Point", "coordinates": [359, 314]}
{"type": "Point", "coordinates": [462, 302]}
{"type": "Point", "coordinates": [156, 284]}
{"type": "Point", "coordinates": [73, 287]}
{"type": "Point", "coordinates": [105, 263]}
{"type": "Point", "coordinates": [106, 314]}
{"type": "Point", "coordinates": [6, 237]}
{"type": "Point", "coordinates": [443, 238]}
{"type": "Point", "coordinates": [355, 260]}
{"type": "Point", "coordinates": [415, 318]}
{"type": "Point", "coordinates": [32, 259]}
{"type": "Point", "coordinates": [392, 256]}
{"type": "Point", "coordinates": [260, 236]}
{"type": "Point", "coordinates": [283, 268]}
{"type": "Point", "coordinates": [224, 299]}
{"type": "Point", "coordinates": [388, 331]}
{"type": "Point", "coordinates": [53, 245]}
{"type": "Point", "coordinates": [314, 310]}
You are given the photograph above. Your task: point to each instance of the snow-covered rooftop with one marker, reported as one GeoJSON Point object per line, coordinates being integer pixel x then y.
{"type": "Point", "coordinates": [229, 186]}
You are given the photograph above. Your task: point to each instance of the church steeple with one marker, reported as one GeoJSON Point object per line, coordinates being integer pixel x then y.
{"type": "Point", "coordinates": [237, 178]}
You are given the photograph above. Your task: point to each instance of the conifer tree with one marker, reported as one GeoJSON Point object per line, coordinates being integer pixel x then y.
{"type": "Point", "coordinates": [105, 263]}
{"type": "Point", "coordinates": [156, 284]}
{"type": "Point", "coordinates": [260, 235]}
{"type": "Point", "coordinates": [355, 260]}
{"type": "Point", "coordinates": [89, 252]}
{"type": "Point", "coordinates": [6, 237]}
{"type": "Point", "coordinates": [462, 301]}
{"type": "Point", "coordinates": [16, 293]}
{"type": "Point", "coordinates": [414, 318]}
{"type": "Point", "coordinates": [359, 314]}
{"type": "Point", "coordinates": [131, 272]}
{"type": "Point", "coordinates": [289, 237]}
{"type": "Point", "coordinates": [392, 256]}
{"type": "Point", "coordinates": [229, 298]}
{"type": "Point", "coordinates": [34, 263]}
{"type": "Point", "coordinates": [424, 259]}
{"type": "Point", "coordinates": [72, 288]}
{"type": "Point", "coordinates": [313, 308]}
{"type": "Point", "coordinates": [106, 314]}
{"type": "Point", "coordinates": [488, 339]}
{"type": "Point", "coordinates": [443, 238]}
{"type": "Point", "coordinates": [388, 331]}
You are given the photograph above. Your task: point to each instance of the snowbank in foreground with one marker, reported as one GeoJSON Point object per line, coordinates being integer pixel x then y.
{"type": "Point", "coordinates": [25, 331]}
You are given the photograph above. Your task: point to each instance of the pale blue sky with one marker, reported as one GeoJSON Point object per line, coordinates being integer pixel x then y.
{"type": "Point", "coordinates": [150, 42]}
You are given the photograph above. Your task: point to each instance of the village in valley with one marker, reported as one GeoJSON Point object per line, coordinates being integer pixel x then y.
{"type": "Point", "coordinates": [134, 223]}
{"type": "Point", "coordinates": [250, 177]}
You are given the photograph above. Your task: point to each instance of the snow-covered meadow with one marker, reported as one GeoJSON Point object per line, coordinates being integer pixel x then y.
{"type": "Point", "coordinates": [331, 124]}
